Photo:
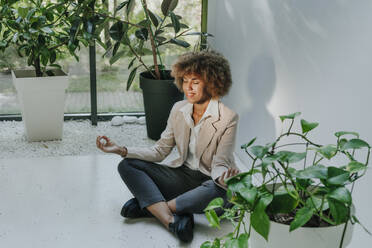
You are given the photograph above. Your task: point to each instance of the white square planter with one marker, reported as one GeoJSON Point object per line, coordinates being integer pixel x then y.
{"type": "Point", "coordinates": [42, 101]}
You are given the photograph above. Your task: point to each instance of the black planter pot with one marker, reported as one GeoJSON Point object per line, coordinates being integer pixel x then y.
{"type": "Point", "coordinates": [159, 96]}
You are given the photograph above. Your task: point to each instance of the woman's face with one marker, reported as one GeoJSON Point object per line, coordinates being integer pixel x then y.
{"type": "Point", "coordinates": [194, 88]}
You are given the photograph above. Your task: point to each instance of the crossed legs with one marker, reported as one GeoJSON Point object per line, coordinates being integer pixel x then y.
{"type": "Point", "coordinates": [167, 191]}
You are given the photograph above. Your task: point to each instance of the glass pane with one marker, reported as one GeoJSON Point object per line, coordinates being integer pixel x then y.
{"type": "Point", "coordinates": [77, 94]}
{"type": "Point", "coordinates": [111, 79]}
{"type": "Point", "coordinates": [8, 96]}
{"type": "Point", "coordinates": [78, 91]}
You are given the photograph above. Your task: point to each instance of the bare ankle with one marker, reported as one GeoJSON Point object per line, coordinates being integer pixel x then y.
{"type": "Point", "coordinates": [170, 220]}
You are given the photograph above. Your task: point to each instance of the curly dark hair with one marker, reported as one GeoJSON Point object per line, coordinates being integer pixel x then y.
{"type": "Point", "coordinates": [211, 66]}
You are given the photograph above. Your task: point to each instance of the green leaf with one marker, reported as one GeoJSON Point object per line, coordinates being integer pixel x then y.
{"type": "Point", "coordinates": [15, 37]}
{"type": "Point", "coordinates": [249, 194]}
{"type": "Point", "coordinates": [142, 33]}
{"type": "Point", "coordinates": [291, 157]}
{"type": "Point", "coordinates": [243, 180]}
{"type": "Point", "coordinates": [355, 219]}
{"type": "Point", "coordinates": [116, 48]}
{"type": "Point", "coordinates": [154, 18]}
{"type": "Point", "coordinates": [47, 30]}
{"type": "Point", "coordinates": [340, 194]}
{"type": "Point", "coordinates": [122, 5]}
{"type": "Point", "coordinates": [354, 144]}
{"type": "Point", "coordinates": [231, 243]}
{"type": "Point", "coordinates": [314, 171]}
{"type": "Point", "coordinates": [337, 176]}
{"type": "Point", "coordinates": [302, 217]}
{"type": "Point", "coordinates": [260, 222]}
{"type": "Point", "coordinates": [30, 14]}
{"type": "Point", "coordinates": [303, 183]}
{"type": "Point", "coordinates": [249, 143]}
{"type": "Point", "coordinates": [56, 66]}
{"type": "Point", "coordinates": [168, 5]}
{"type": "Point", "coordinates": [200, 34]}
{"type": "Point", "coordinates": [160, 39]}
{"type": "Point", "coordinates": [341, 143]}
{"type": "Point", "coordinates": [291, 116]}
{"type": "Point", "coordinates": [213, 218]}
{"type": "Point", "coordinates": [131, 63]}
{"type": "Point", "coordinates": [308, 126]}
{"type": "Point", "coordinates": [130, 6]}
{"type": "Point", "coordinates": [339, 211]}
{"type": "Point", "coordinates": [316, 203]}
{"type": "Point", "coordinates": [355, 166]}
{"type": "Point", "coordinates": [175, 22]}
{"type": "Point", "coordinates": [117, 30]}
{"type": "Point", "coordinates": [53, 57]}
{"type": "Point", "coordinates": [265, 199]}
{"type": "Point", "coordinates": [259, 151]}
{"type": "Point", "coordinates": [32, 31]}
{"type": "Point", "coordinates": [49, 16]}
{"type": "Point", "coordinates": [22, 11]}
{"type": "Point", "coordinates": [131, 77]}
{"type": "Point", "coordinates": [207, 244]}
{"type": "Point", "coordinates": [116, 57]}
{"type": "Point", "coordinates": [178, 42]}
{"type": "Point", "coordinates": [339, 134]}
{"type": "Point", "coordinates": [282, 202]}
{"type": "Point", "coordinates": [215, 203]}
{"type": "Point", "coordinates": [327, 151]}
{"type": "Point", "coordinates": [243, 240]}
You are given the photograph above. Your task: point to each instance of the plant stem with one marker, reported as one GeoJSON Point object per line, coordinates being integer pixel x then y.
{"type": "Point", "coordinates": [37, 66]}
{"type": "Point", "coordinates": [290, 127]}
{"type": "Point", "coordinates": [153, 47]}
{"type": "Point", "coordinates": [288, 175]}
{"type": "Point", "coordinates": [175, 37]}
{"type": "Point", "coordinates": [292, 144]}
{"type": "Point", "coordinates": [318, 160]}
{"type": "Point", "coordinates": [249, 154]}
{"type": "Point", "coordinates": [307, 144]}
{"type": "Point", "coordinates": [140, 60]}
{"type": "Point", "coordinates": [237, 229]}
{"type": "Point", "coordinates": [344, 231]}
{"type": "Point", "coordinates": [302, 136]}
{"type": "Point", "coordinates": [316, 153]}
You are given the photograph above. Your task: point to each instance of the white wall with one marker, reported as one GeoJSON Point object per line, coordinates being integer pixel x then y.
{"type": "Point", "coordinates": [299, 55]}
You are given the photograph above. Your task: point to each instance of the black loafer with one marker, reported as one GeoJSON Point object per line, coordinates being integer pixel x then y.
{"type": "Point", "coordinates": [182, 227]}
{"type": "Point", "coordinates": [132, 209]}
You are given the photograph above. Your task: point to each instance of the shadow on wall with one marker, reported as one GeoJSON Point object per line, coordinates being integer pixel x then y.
{"type": "Point", "coordinates": [257, 121]}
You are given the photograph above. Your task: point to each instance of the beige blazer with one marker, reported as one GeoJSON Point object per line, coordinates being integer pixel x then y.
{"type": "Point", "coordinates": [214, 145]}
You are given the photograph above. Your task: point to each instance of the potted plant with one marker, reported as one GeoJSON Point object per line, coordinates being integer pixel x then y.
{"type": "Point", "coordinates": [298, 196]}
{"type": "Point", "coordinates": [42, 31]}
{"type": "Point", "coordinates": [150, 34]}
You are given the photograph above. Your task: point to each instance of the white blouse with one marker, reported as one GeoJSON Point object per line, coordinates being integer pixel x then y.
{"type": "Point", "coordinates": [212, 110]}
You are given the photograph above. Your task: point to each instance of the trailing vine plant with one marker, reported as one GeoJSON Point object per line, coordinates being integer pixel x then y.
{"type": "Point", "coordinates": [291, 185]}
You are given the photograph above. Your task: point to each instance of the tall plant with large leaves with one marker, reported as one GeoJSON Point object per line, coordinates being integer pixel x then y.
{"type": "Point", "coordinates": [42, 30]}
{"type": "Point", "coordinates": [295, 184]}
{"type": "Point", "coordinates": [151, 33]}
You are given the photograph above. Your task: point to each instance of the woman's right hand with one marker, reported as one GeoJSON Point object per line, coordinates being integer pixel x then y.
{"type": "Point", "coordinates": [106, 145]}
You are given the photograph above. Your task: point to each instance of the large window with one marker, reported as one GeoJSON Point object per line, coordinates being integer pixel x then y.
{"type": "Point", "coordinates": [112, 95]}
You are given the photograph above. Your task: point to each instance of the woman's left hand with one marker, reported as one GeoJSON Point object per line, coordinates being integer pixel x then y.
{"type": "Point", "coordinates": [226, 175]}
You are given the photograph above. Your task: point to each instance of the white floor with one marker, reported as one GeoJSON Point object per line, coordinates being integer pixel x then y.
{"type": "Point", "coordinates": [75, 201]}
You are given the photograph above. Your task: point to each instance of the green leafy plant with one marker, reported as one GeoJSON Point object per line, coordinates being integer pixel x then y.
{"type": "Point", "coordinates": [292, 187]}
{"type": "Point", "coordinates": [43, 30]}
{"type": "Point", "coordinates": [146, 36]}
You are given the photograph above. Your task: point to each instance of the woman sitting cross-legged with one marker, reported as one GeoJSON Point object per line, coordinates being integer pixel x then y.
{"type": "Point", "coordinates": [203, 130]}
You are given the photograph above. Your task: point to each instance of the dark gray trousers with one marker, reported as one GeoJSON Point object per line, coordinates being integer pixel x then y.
{"type": "Point", "coordinates": [151, 183]}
